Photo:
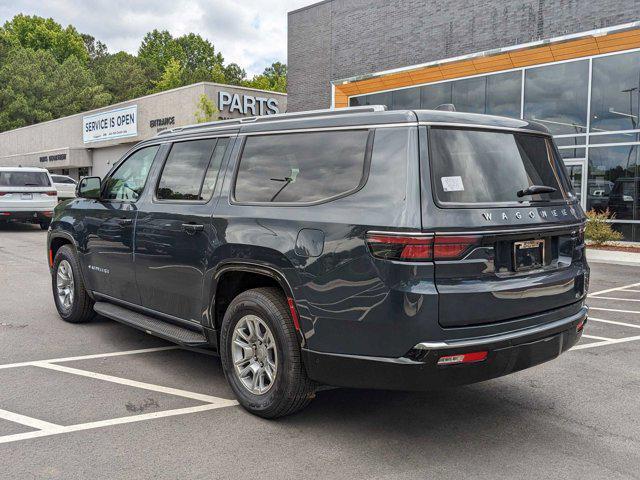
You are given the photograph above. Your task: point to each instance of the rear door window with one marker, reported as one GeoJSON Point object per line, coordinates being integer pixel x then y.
{"type": "Point", "coordinates": [301, 167]}
{"type": "Point", "coordinates": [490, 167]}
{"type": "Point", "coordinates": [191, 170]}
{"type": "Point", "coordinates": [24, 179]}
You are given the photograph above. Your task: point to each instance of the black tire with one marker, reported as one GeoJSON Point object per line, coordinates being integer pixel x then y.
{"type": "Point", "coordinates": [291, 390]}
{"type": "Point", "coordinates": [81, 309]}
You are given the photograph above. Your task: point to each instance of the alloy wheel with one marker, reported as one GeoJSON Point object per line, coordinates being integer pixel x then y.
{"type": "Point", "coordinates": [254, 354]}
{"type": "Point", "coordinates": [65, 284]}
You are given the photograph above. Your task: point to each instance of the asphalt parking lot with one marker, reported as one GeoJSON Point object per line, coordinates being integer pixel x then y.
{"type": "Point", "coordinates": [102, 400]}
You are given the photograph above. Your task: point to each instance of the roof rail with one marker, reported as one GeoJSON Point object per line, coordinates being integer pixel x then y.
{"type": "Point", "coordinates": [277, 116]}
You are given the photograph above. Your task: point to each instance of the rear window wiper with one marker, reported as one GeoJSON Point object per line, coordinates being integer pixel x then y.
{"type": "Point", "coordinates": [535, 189]}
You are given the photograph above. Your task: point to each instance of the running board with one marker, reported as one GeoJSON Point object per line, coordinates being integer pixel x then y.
{"type": "Point", "coordinates": [152, 325]}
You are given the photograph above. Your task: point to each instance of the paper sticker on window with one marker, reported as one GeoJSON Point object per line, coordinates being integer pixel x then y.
{"type": "Point", "coordinates": [452, 184]}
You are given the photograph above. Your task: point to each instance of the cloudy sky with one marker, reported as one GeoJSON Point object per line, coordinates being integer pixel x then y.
{"type": "Point", "coordinates": [251, 33]}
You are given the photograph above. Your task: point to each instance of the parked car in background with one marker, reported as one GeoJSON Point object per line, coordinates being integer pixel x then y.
{"type": "Point", "coordinates": [27, 195]}
{"type": "Point", "coordinates": [362, 248]}
{"type": "Point", "coordinates": [65, 186]}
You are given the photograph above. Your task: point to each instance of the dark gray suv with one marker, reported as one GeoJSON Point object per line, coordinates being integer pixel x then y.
{"type": "Point", "coordinates": [359, 248]}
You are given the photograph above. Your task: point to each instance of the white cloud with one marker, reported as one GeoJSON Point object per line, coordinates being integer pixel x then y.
{"type": "Point", "coordinates": [252, 34]}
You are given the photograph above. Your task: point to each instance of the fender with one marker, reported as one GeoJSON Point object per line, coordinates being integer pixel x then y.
{"type": "Point", "coordinates": [66, 235]}
{"type": "Point", "coordinates": [259, 268]}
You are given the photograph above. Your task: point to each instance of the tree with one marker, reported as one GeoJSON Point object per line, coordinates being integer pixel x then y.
{"type": "Point", "coordinates": [95, 48]}
{"type": "Point", "coordinates": [171, 77]}
{"type": "Point", "coordinates": [273, 78]}
{"type": "Point", "coordinates": [234, 75]}
{"type": "Point", "coordinates": [122, 75]}
{"type": "Point", "coordinates": [207, 110]}
{"type": "Point", "coordinates": [39, 33]}
{"type": "Point", "coordinates": [34, 88]}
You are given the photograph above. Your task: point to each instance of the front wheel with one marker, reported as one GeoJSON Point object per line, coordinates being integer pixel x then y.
{"type": "Point", "coordinates": [261, 356]}
{"type": "Point", "coordinates": [71, 298]}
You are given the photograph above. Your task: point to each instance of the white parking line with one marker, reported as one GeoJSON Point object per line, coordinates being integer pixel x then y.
{"type": "Point", "coordinates": [221, 403]}
{"type": "Point", "coordinates": [614, 289]}
{"type": "Point", "coordinates": [602, 344]}
{"type": "Point", "coordinates": [130, 383]}
{"type": "Point", "coordinates": [629, 290]}
{"type": "Point", "coordinates": [28, 421]}
{"type": "Point", "coordinates": [594, 337]}
{"type": "Point", "coordinates": [613, 310]}
{"type": "Point", "coordinates": [620, 299]}
{"type": "Point", "coordinates": [88, 357]}
{"type": "Point", "coordinates": [613, 322]}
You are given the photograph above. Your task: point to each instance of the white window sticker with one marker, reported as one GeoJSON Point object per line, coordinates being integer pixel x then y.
{"type": "Point", "coordinates": [452, 184]}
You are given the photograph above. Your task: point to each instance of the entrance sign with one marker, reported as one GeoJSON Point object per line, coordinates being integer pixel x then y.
{"type": "Point", "coordinates": [122, 122]}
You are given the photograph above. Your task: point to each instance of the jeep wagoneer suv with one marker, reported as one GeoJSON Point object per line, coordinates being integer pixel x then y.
{"type": "Point", "coordinates": [360, 248]}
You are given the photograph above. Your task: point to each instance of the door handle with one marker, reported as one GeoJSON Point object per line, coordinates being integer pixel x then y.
{"type": "Point", "coordinates": [192, 228]}
{"type": "Point", "coordinates": [125, 221]}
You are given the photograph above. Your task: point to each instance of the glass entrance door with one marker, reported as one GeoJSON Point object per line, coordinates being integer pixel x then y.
{"type": "Point", "coordinates": [577, 170]}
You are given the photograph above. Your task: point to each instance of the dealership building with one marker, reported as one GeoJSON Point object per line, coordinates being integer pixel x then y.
{"type": "Point", "coordinates": [572, 65]}
{"type": "Point", "coordinates": [89, 143]}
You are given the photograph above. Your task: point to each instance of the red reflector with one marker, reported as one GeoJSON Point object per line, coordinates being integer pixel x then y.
{"type": "Point", "coordinates": [448, 248]}
{"type": "Point", "coordinates": [580, 325]}
{"type": "Point", "coordinates": [51, 258]}
{"type": "Point", "coordinates": [463, 358]}
{"type": "Point", "coordinates": [294, 313]}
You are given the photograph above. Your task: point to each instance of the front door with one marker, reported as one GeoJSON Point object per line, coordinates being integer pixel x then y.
{"type": "Point", "coordinates": [109, 224]}
{"type": "Point", "coordinates": [174, 234]}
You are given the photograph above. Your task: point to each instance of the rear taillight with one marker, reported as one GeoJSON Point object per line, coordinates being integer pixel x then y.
{"type": "Point", "coordinates": [420, 247]}
{"type": "Point", "coordinates": [2, 194]}
{"type": "Point", "coordinates": [472, 357]}
{"type": "Point", "coordinates": [51, 193]}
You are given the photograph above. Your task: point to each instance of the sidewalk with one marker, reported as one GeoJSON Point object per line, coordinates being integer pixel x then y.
{"type": "Point", "coordinates": [612, 256]}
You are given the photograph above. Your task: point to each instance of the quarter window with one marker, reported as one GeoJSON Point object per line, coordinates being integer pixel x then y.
{"type": "Point", "coordinates": [301, 167]}
{"type": "Point", "coordinates": [127, 182]}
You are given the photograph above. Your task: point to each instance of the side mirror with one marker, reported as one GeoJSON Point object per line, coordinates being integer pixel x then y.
{"type": "Point", "coordinates": [88, 187]}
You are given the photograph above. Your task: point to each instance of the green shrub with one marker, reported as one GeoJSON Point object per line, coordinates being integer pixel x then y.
{"type": "Point", "coordinates": [598, 230]}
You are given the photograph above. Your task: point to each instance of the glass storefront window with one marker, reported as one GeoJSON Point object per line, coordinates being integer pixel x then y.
{"type": "Point", "coordinates": [503, 94]}
{"type": "Point", "coordinates": [556, 96]}
{"type": "Point", "coordinates": [406, 99]}
{"type": "Point", "coordinates": [614, 99]}
{"type": "Point", "coordinates": [468, 95]}
{"type": "Point", "coordinates": [613, 181]}
{"type": "Point", "coordinates": [433, 95]}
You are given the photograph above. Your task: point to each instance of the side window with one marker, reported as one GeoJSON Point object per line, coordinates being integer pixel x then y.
{"type": "Point", "coordinates": [127, 182]}
{"type": "Point", "coordinates": [301, 167]}
{"type": "Point", "coordinates": [191, 170]}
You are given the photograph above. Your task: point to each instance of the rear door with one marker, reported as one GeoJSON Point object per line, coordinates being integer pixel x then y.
{"type": "Point", "coordinates": [174, 234]}
{"type": "Point", "coordinates": [501, 250]}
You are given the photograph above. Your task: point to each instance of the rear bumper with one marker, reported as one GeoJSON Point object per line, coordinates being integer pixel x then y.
{"type": "Point", "coordinates": [26, 215]}
{"type": "Point", "coordinates": [418, 370]}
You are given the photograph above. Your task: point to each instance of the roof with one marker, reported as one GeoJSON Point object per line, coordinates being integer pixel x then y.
{"type": "Point", "coordinates": [23, 169]}
{"type": "Point", "coordinates": [352, 116]}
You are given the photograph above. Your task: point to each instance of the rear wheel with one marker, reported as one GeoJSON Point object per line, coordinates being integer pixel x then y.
{"type": "Point", "coordinates": [72, 300]}
{"type": "Point", "coordinates": [261, 356]}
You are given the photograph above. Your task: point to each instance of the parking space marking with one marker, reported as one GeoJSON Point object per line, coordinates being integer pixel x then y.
{"type": "Point", "coordinates": [614, 322]}
{"type": "Point", "coordinates": [630, 290]}
{"type": "Point", "coordinates": [620, 299]}
{"type": "Point", "coordinates": [221, 403]}
{"type": "Point", "coordinates": [88, 357]}
{"type": "Point", "coordinates": [603, 344]}
{"type": "Point", "coordinates": [614, 289]}
{"type": "Point", "coordinates": [131, 383]}
{"type": "Point", "coordinates": [594, 337]}
{"type": "Point", "coordinates": [613, 310]}
{"type": "Point", "coordinates": [28, 421]}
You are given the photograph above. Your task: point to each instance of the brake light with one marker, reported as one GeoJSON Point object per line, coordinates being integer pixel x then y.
{"type": "Point", "coordinates": [2, 194]}
{"type": "Point", "coordinates": [420, 247]}
{"type": "Point", "coordinates": [51, 193]}
{"type": "Point", "coordinates": [472, 357]}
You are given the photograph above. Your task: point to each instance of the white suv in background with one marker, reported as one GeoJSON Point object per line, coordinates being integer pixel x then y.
{"type": "Point", "coordinates": [65, 186]}
{"type": "Point", "coordinates": [27, 195]}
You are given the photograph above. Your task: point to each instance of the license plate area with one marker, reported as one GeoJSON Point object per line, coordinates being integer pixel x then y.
{"type": "Point", "coordinates": [528, 254]}
{"type": "Point", "coordinates": [27, 196]}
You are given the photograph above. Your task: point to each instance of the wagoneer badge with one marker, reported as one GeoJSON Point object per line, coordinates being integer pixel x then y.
{"type": "Point", "coordinates": [518, 215]}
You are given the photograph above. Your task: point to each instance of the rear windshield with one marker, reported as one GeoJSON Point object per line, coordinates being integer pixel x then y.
{"type": "Point", "coordinates": [24, 179]}
{"type": "Point", "coordinates": [488, 167]}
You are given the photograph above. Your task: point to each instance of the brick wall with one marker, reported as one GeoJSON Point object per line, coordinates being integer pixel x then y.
{"type": "Point", "coordinates": [341, 38]}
